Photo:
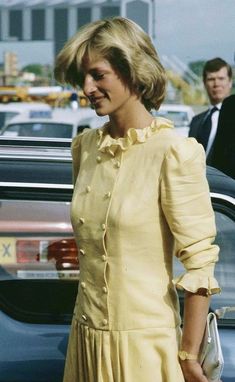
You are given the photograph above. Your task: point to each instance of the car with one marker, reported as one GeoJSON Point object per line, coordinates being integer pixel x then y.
{"type": "Point", "coordinates": [180, 115]}
{"type": "Point", "coordinates": [37, 244]}
{"type": "Point", "coordinates": [54, 123]}
{"type": "Point", "coordinates": [38, 284]}
{"type": "Point", "coordinates": [12, 109]}
{"type": "Point", "coordinates": [222, 192]}
{"type": "Point", "coordinates": [39, 270]}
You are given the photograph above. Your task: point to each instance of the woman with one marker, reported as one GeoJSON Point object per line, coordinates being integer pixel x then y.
{"type": "Point", "coordinates": [140, 196]}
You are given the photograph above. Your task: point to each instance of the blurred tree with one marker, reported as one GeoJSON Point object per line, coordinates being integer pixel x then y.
{"type": "Point", "coordinates": [43, 73]}
{"type": "Point", "coordinates": [189, 94]}
{"type": "Point", "coordinates": [37, 69]}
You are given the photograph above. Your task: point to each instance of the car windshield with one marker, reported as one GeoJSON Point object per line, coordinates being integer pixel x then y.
{"type": "Point", "coordinates": [5, 116]}
{"type": "Point", "coordinates": [39, 129]}
{"type": "Point", "coordinates": [180, 118]}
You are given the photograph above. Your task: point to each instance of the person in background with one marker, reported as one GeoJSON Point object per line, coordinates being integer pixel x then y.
{"type": "Point", "coordinates": [217, 78]}
{"type": "Point", "coordinates": [140, 197]}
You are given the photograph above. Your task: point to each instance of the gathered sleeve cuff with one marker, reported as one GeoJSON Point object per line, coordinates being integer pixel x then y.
{"type": "Point", "coordinates": [187, 207]}
{"type": "Point", "coordinates": [195, 279]}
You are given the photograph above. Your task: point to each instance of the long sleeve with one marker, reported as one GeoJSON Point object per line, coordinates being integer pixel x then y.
{"type": "Point", "coordinates": [187, 207]}
{"type": "Point", "coordinates": [76, 154]}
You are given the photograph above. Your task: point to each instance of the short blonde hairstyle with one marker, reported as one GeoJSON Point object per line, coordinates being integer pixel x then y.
{"type": "Point", "coordinates": [128, 49]}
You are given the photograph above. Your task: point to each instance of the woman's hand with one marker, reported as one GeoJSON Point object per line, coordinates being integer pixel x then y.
{"type": "Point", "coordinates": [192, 371]}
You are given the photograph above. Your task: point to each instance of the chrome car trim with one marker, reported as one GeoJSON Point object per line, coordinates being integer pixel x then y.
{"type": "Point", "coordinates": [30, 141]}
{"type": "Point", "coordinates": [37, 185]}
{"type": "Point", "coordinates": [43, 157]}
{"type": "Point", "coordinates": [227, 198]}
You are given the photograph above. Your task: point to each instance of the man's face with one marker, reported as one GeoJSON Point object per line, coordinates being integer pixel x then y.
{"type": "Point", "coordinates": [218, 85]}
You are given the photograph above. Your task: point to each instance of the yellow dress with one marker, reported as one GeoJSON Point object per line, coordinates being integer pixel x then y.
{"type": "Point", "coordinates": [137, 201]}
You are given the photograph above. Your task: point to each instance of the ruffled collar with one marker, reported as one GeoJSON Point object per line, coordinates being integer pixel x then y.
{"type": "Point", "coordinates": [107, 144]}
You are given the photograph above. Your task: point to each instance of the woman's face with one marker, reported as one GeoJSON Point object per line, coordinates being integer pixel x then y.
{"type": "Point", "coordinates": [104, 87]}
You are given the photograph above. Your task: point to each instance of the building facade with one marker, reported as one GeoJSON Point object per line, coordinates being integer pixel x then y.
{"type": "Point", "coordinates": [57, 20]}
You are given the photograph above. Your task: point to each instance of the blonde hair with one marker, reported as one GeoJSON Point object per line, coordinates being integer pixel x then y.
{"type": "Point", "coordinates": [128, 49]}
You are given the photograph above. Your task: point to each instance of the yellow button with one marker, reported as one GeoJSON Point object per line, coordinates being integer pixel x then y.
{"type": "Point", "coordinates": [98, 159]}
{"type": "Point", "coordinates": [108, 194]}
{"type": "Point", "coordinates": [105, 290]}
{"type": "Point", "coordinates": [105, 322]}
{"type": "Point", "coordinates": [82, 251]}
{"type": "Point", "coordinates": [82, 220]}
{"type": "Point", "coordinates": [83, 285]}
{"type": "Point", "coordinates": [88, 189]}
{"type": "Point", "coordinates": [103, 226]}
{"type": "Point", "coordinates": [84, 317]}
{"type": "Point", "coordinates": [103, 257]}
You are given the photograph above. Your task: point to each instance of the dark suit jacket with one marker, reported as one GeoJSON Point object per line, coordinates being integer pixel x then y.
{"type": "Point", "coordinates": [195, 129]}
{"type": "Point", "coordinates": [223, 156]}
{"type": "Point", "coordinates": [196, 124]}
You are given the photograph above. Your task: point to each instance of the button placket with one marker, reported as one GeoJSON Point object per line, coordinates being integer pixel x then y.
{"type": "Point", "coordinates": [107, 197]}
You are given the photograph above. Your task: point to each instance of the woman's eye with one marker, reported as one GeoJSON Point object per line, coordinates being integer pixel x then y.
{"type": "Point", "coordinates": [98, 76]}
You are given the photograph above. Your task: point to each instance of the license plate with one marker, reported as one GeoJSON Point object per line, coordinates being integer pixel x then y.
{"type": "Point", "coordinates": [7, 250]}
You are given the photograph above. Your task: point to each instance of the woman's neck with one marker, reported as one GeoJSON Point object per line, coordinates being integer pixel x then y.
{"type": "Point", "coordinates": [137, 118]}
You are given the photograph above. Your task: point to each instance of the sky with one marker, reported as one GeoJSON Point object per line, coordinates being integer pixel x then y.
{"type": "Point", "coordinates": [196, 29]}
{"type": "Point", "coordinates": [188, 29]}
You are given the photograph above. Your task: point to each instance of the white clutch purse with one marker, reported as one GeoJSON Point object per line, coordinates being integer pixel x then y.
{"type": "Point", "coordinates": [210, 355]}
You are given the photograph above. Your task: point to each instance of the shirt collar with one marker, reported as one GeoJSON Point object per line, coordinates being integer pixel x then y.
{"type": "Point", "coordinates": [218, 105]}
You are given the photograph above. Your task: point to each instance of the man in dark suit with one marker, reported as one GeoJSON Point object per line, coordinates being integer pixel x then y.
{"type": "Point", "coordinates": [217, 78]}
{"type": "Point", "coordinates": [223, 156]}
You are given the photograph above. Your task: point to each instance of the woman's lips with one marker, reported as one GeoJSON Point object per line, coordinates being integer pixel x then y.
{"type": "Point", "coordinates": [96, 100]}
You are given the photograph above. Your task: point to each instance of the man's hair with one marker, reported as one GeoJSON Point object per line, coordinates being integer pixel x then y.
{"type": "Point", "coordinates": [127, 48]}
{"type": "Point", "coordinates": [215, 65]}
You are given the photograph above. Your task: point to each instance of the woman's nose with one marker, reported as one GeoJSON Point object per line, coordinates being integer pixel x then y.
{"type": "Point", "coordinates": [89, 85]}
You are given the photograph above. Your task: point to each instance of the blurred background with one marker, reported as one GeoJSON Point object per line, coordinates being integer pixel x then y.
{"type": "Point", "coordinates": [186, 33]}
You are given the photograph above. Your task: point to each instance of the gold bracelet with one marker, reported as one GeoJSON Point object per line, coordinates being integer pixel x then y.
{"type": "Point", "coordinates": [183, 355]}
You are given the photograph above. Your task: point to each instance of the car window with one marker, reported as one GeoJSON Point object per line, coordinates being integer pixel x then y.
{"type": "Point", "coordinates": [180, 118]}
{"type": "Point", "coordinates": [225, 267]}
{"type": "Point", "coordinates": [5, 116]}
{"type": "Point", "coordinates": [93, 122]}
{"type": "Point", "coordinates": [38, 129]}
